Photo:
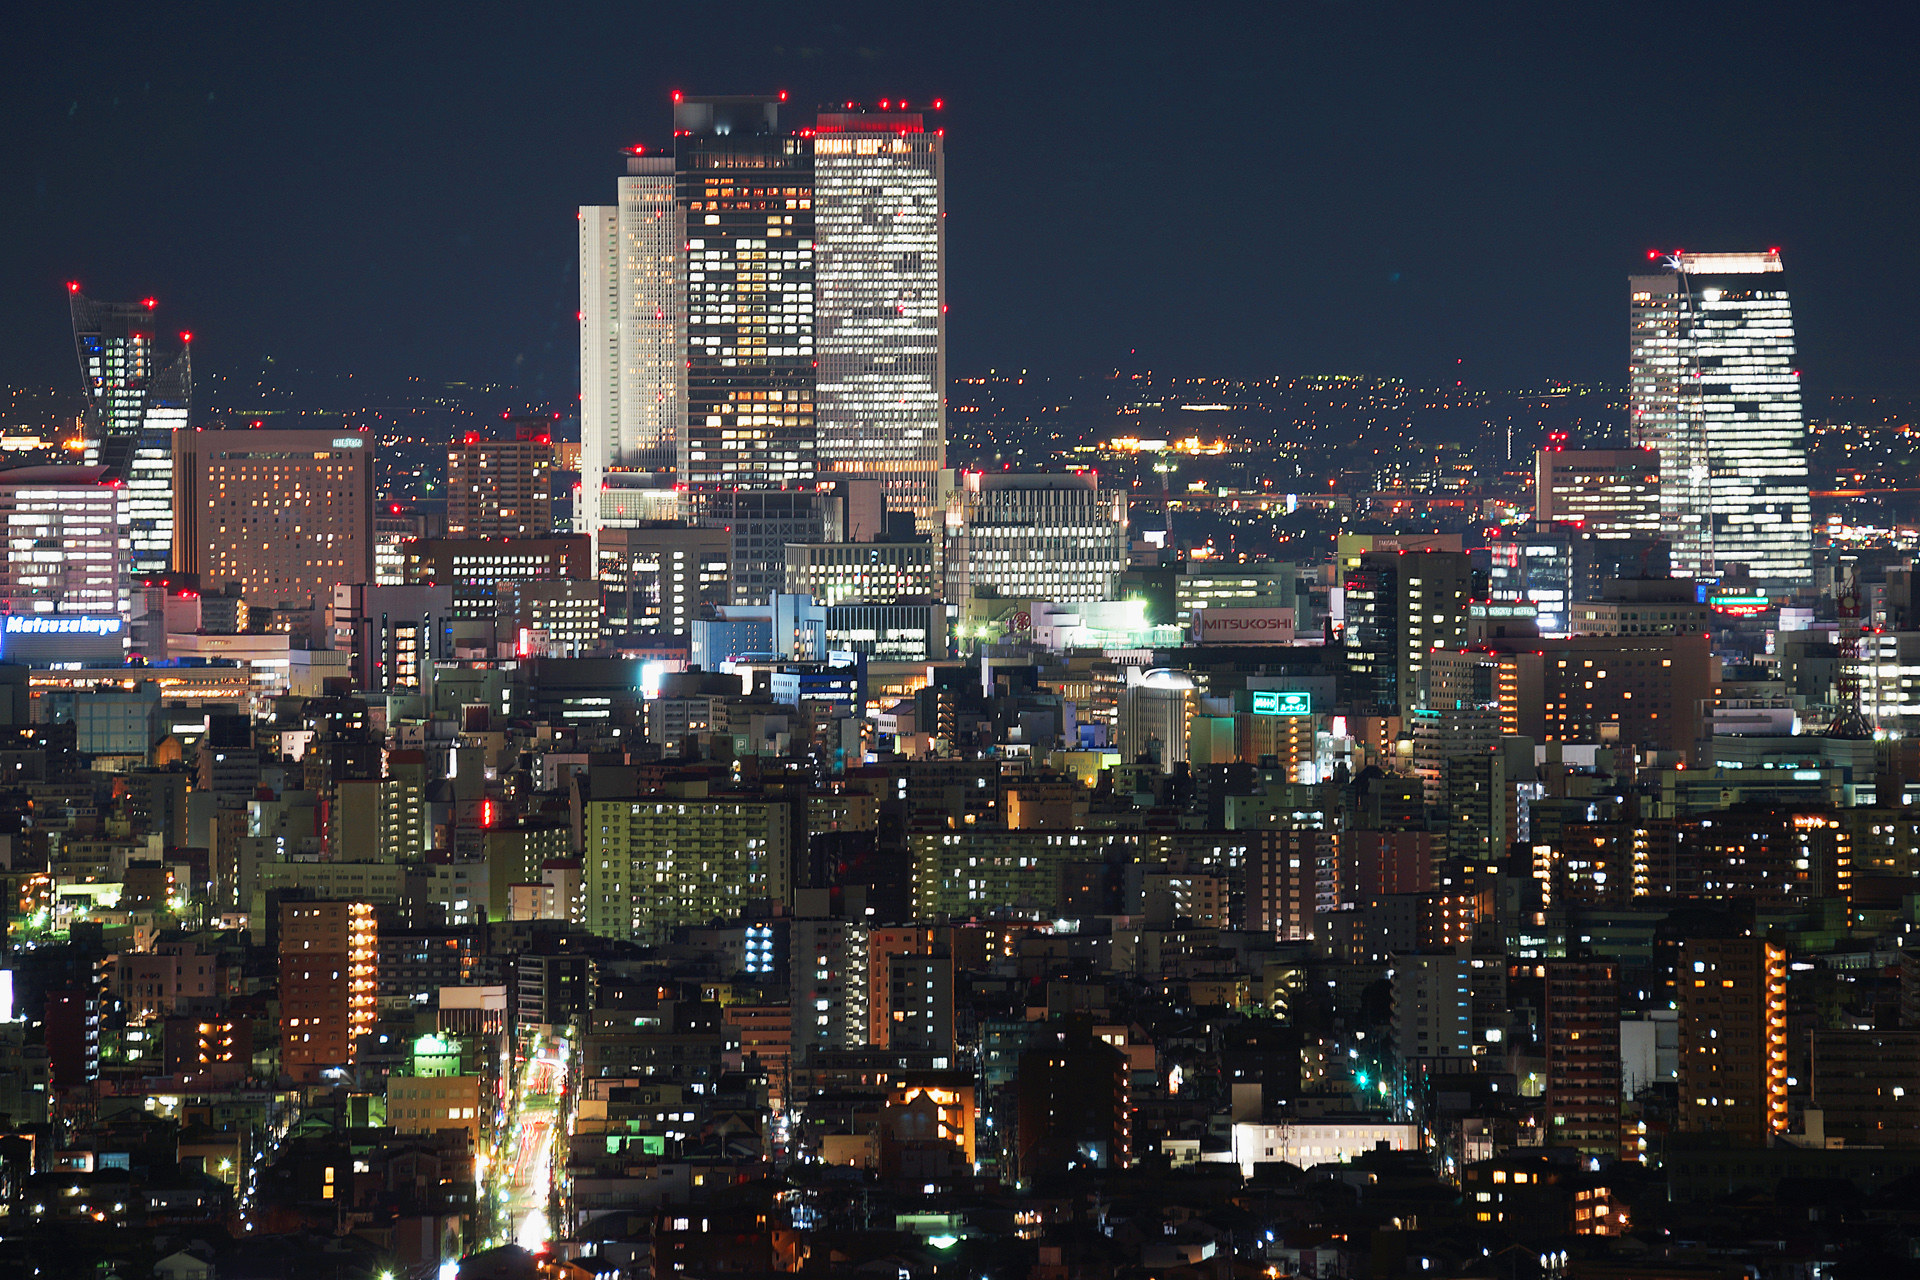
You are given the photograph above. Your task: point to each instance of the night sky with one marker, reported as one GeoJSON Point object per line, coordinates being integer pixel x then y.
{"type": "Point", "coordinates": [1244, 190]}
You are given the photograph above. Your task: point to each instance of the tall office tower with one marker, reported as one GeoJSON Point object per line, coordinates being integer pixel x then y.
{"type": "Point", "coordinates": [329, 959]}
{"type": "Point", "coordinates": [880, 288]}
{"type": "Point", "coordinates": [137, 396]}
{"type": "Point", "coordinates": [1713, 390]}
{"type": "Point", "coordinates": [501, 488]}
{"type": "Point", "coordinates": [1583, 1056]}
{"type": "Point", "coordinates": [1401, 606]}
{"type": "Point", "coordinates": [1610, 493]}
{"type": "Point", "coordinates": [633, 350]}
{"type": "Point", "coordinates": [746, 189]}
{"type": "Point", "coordinates": [1733, 1038]}
{"type": "Point", "coordinates": [288, 515]}
{"type": "Point", "coordinates": [1035, 537]}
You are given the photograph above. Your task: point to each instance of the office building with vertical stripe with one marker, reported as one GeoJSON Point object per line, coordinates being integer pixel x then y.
{"type": "Point", "coordinates": [633, 354]}
{"type": "Point", "coordinates": [880, 288]}
{"type": "Point", "coordinates": [1714, 391]}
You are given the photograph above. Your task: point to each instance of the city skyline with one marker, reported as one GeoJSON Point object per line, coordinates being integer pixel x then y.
{"type": "Point", "coordinates": [1392, 186]}
{"type": "Point", "coordinates": [898, 781]}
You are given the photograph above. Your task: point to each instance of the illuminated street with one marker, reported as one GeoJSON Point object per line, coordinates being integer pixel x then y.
{"type": "Point", "coordinates": [528, 1148]}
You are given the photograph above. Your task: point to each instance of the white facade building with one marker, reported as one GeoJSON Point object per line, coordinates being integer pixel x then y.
{"type": "Point", "coordinates": [1714, 391]}
{"type": "Point", "coordinates": [633, 347]}
{"type": "Point", "coordinates": [1332, 1140]}
{"type": "Point", "coordinates": [1034, 537]}
{"type": "Point", "coordinates": [879, 313]}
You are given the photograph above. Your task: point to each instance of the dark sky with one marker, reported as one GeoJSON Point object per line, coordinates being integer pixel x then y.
{"type": "Point", "coordinates": [1248, 189]}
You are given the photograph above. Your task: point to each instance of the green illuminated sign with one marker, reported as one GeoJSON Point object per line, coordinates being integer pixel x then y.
{"type": "Point", "coordinates": [1282, 704]}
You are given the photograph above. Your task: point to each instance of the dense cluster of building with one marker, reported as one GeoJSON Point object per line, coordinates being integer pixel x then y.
{"type": "Point", "coordinates": [805, 857]}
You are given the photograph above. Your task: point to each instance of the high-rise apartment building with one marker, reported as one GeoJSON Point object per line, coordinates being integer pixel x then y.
{"type": "Point", "coordinates": [1291, 868]}
{"type": "Point", "coordinates": [920, 1003]}
{"type": "Point", "coordinates": [1714, 391]}
{"type": "Point", "coordinates": [654, 864]}
{"type": "Point", "coordinates": [830, 986]}
{"type": "Point", "coordinates": [1610, 493]}
{"type": "Point", "coordinates": [1733, 1038]}
{"type": "Point", "coordinates": [1433, 1010]}
{"type": "Point", "coordinates": [1583, 1056]}
{"type": "Point", "coordinates": [501, 488]}
{"type": "Point", "coordinates": [287, 515]}
{"type": "Point", "coordinates": [883, 944]}
{"type": "Point", "coordinates": [1867, 1085]}
{"type": "Point", "coordinates": [329, 981]}
{"type": "Point", "coordinates": [138, 392]}
{"type": "Point", "coordinates": [880, 315]}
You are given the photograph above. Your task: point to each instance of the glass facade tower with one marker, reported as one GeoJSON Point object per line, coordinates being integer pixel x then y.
{"type": "Point", "coordinates": [879, 198]}
{"type": "Point", "coordinates": [1714, 391]}
{"type": "Point", "coordinates": [137, 396]}
{"type": "Point", "coordinates": [747, 192]}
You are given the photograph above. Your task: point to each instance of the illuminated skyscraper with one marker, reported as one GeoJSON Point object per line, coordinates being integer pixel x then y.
{"type": "Point", "coordinates": [633, 351]}
{"type": "Point", "coordinates": [747, 191]}
{"type": "Point", "coordinates": [1714, 391]}
{"type": "Point", "coordinates": [137, 396]}
{"type": "Point", "coordinates": [724, 347]}
{"type": "Point", "coordinates": [879, 200]}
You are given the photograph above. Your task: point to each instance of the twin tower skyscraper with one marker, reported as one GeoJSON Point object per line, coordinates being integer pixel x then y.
{"type": "Point", "coordinates": [765, 308]}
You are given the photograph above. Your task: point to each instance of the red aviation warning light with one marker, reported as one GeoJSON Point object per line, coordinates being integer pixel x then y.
{"type": "Point", "coordinates": [186, 335]}
{"type": "Point", "coordinates": [149, 303]}
{"type": "Point", "coordinates": [676, 95]}
{"type": "Point", "coordinates": [73, 286]}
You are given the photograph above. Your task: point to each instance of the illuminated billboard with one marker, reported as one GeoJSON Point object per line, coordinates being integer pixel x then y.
{"type": "Point", "coordinates": [1270, 703]}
